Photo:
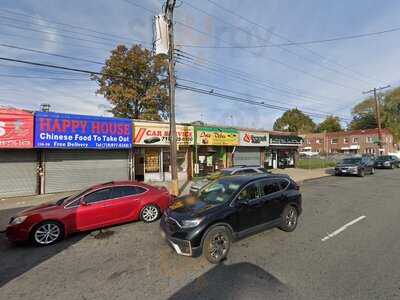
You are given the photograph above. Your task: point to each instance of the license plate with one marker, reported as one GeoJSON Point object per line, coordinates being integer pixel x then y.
{"type": "Point", "coordinates": [344, 171]}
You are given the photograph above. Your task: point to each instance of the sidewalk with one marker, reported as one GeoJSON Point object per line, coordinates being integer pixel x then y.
{"type": "Point", "coordinates": [301, 175]}
{"type": "Point", "coordinates": [25, 201]}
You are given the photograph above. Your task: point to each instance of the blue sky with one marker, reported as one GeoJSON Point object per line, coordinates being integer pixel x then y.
{"type": "Point", "coordinates": [330, 78]}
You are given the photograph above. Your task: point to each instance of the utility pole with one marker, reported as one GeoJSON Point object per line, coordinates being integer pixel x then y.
{"type": "Point", "coordinates": [377, 111]}
{"type": "Point", "coordinates": [169, 15]}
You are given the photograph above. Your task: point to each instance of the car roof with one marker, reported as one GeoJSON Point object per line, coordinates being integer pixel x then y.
{"type": "Point", "coordinates": [242, 179]}
{"type": "Point", "coordinates": [120, 182]}
{"type": "Point", "coordinates": [235, 168]}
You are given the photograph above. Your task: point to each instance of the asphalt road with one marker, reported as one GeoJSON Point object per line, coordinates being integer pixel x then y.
{"type": "Point", "coordinates": [320, 260]}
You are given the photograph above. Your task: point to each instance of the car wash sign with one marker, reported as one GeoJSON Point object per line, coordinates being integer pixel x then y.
{"type": "Point", "coordinates": [16, 128]}
{"type": "Point", "coordinates": [252, 138]}
{"type": "Point", "coordinates": [54, 130]}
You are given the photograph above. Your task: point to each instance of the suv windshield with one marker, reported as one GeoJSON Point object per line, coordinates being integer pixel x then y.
{"type": "Point", "coordinates": [218, 191]}
{"type": "Point", "coordinates": [350, 161]}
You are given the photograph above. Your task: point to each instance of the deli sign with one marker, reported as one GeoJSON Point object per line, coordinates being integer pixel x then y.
{"type": "Point", "coordinates": [147, 133]}
{"type": "Point", "coordinates": [54, 130]}
{"type": "Point", "coordinates": [16, 129]}
{"type": "Point", "coordinates": [252, 138]}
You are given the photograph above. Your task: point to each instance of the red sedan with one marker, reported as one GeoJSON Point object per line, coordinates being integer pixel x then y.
{"type": "Point", "coordinates": [99, 206]}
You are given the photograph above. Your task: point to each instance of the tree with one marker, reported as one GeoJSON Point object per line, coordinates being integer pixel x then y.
{"type": "Point", "coordinates": [330, 124]}
{"type": "Point", "coordinates": [294, 120]}
{"type": "Point", "coordinates": [364, 115]}
{"type": "Point", "coordinates": [133, 82]}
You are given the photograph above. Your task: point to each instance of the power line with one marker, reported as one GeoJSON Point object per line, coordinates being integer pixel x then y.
{"type": "Point", "coordinates": [287, 39]}
{"type": "Point", "coordinates": [58, 34]}
{"type": "Point", "coordinates": [214, 87]}
{"type": "Point", "coordinates": [69, 25]}
{"type": "Point", "coordinates": [243, 100]}
{"type": "Point", "coordinates": [141, 6]}
{"type": "Point", "coordinates": [280, 47]}
{"type": "Point", "coordinates": [341, 38]}
{"type": "Point", "coordinates": [41, 77]}
{"type": "Point", "coordinates": [248, 76]}
{"type": "Point", "coordinates": [51, 54]}
{"type": "Point", "coordinates": [286, 65]}
{"type": "Point", "coordinates": [242, 79]}
{"type": "Point", "coordinates": [66, 68]}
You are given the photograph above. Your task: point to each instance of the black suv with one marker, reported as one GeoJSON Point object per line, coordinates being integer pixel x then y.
{"type": "Point", "coordinates": [228, 209]}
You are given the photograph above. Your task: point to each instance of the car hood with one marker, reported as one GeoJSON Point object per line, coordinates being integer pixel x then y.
{"type": "Point", "coordinates": [200, 183]}
{"type": "Point", "coordinates": [347, 165]}
{"type": "Point", "coordinates": [39, 208]}
{"type": "Point", "coordinates": [190, 207]}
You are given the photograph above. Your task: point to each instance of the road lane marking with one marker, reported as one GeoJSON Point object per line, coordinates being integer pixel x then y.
{"type": "Point", "coordinates": [344, 227]}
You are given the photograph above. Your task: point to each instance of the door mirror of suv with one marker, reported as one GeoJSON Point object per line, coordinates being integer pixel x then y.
{"type": "Point", "coordinates": [84, 203]}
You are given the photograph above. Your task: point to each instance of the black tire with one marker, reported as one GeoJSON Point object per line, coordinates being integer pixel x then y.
{"type": "Point", "coordinates": [47, 233]}
{"type": "Point", "coordinates": [372, 171]}
{"type": "Point", "coordinates": [216, 244]}
{"type": "Point", "coordinates": [150, 213]}
{"type": "Point", "coordinates": [392, 166]}
{"type": "Point", "coordinates": [289, 217]}
{"type": "Point", "coordinates": [361, 173]}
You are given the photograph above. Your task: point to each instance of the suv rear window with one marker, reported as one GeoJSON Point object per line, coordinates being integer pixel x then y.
{"type": "Point", "coordinates": [269, 186]}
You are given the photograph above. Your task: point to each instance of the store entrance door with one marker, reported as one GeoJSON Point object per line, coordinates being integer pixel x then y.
{"type": "Point", "coordinates": [139, 165]}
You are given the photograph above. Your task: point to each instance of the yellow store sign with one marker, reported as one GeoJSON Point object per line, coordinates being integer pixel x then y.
{"type": "Point", "coordinates": [217, 136]}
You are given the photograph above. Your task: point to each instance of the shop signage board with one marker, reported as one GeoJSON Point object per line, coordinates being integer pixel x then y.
{"type": "Point", "coordinates": [217, 136]}
{"type": "Point", "coordinates": [147, 133]}
{"type": "Point", "coordinates": [286, 140]}
{"type": "Point", "coordinates": [16, 129]}
{"type": "Point", "coordinates": [56, 130]}
{"type": "Point", "coordinates": [254, 138]}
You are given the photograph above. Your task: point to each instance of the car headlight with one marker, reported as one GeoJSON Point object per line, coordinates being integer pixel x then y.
{"type": "Point", "coordinates": [386, 163]}
{"type": "Point", "coordinates": [191, 223]}
{"type": "Point", "coordinates": [18, 220]}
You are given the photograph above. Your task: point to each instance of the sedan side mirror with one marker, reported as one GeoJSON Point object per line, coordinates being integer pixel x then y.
{"type": "Point", "coordinates": [84, 203]}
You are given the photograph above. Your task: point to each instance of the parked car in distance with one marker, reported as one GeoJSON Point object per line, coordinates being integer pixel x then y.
{"type": "Point", "coordinates": [237, 170]}
{"type": "Point", "coordinates": [228, 209]}
{"type": "Point", "coordinates": [387, 162]}
{"type": "Point", "coordinates": [96, 207]}
{"type": "Point", "coordinates": [359, 166]}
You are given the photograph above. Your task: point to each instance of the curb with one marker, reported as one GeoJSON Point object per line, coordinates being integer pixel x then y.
{"type": "Point", "coordinates": [301, 182]}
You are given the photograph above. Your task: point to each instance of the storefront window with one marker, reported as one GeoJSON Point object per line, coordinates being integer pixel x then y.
{"type": "Point", "coordinates": [152, 161]}
{"type": "Point", "coordinates": [181, 161]}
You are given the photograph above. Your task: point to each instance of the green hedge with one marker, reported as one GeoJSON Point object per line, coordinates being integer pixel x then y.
{"type": "Point", "coordinates": [315, 163]}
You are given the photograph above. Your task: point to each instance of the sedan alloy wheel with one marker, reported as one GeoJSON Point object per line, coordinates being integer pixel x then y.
{"type": "Point", "coordinates": [150, 213]}
{"type": "Point", "coordinates": [47, 233]}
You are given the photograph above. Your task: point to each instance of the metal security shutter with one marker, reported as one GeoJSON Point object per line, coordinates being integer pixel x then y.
{"type": "Point", "coordinates": [68, 170]}
{"type": "Point", "coordinates": [17, 173]}
{"type": "Point", "coordinates": [246, 156]}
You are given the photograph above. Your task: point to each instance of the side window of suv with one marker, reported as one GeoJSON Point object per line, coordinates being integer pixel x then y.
{"type": "Point", "coordinates": [269, 187]}
{"type": "Point", "coordinates": [250, 192]}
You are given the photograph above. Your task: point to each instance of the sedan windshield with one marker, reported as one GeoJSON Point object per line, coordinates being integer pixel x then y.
{"type": "Point", "coordinates": [351, 161]}
{"type": "Point", "coordinates": [218, 191]}
{"type": "Point", "coordinates": [72, 197]}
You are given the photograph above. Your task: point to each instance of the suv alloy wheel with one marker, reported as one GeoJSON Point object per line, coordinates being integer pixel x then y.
{"type": "Point", "coordinates": [289, 219]}
{"type": "Point", "coordinates": [216, 244]}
